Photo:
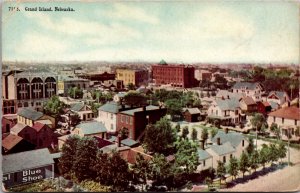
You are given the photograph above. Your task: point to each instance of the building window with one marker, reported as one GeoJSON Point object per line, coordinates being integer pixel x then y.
{"type": "Point", "coordinates": [282, 120]}
{"type": "Point", "coordinates": [203, 163]}
{"type": "Point", "coordinates": [243, 143]}
{"type": "Point", "coordinates": [295, 122]}
{"type": "Point", "coordinates": [111, 127]}
{"type": "Point", "coordinates": [274, 119]}
{"type": "Point", "coordinates": [122, 118]}
{"type": "Point", "coordinates": [127, 119]}
{"type": "Point", "coordinates": [217, 112]}
{"type": "Point", "coordinates": [7, 128]}
{"type": "Point", "coordinates": [224, 159]}
{"type": "Point", "coordinates": [230, 156]}
{"type": "Point", "coordinates": [111, 116]}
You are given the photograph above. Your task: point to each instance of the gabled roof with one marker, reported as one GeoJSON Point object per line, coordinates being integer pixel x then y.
{"type": "Point", "coordinates": [10, 141]}
{"type": "Point", "coordinates": [233, 138]}
{"type": "Point", "coordinates": [226, 94]}
{"type": "Point", "coordinates": [222, 149]}
{"type": "Point", "coordinates": [192, 110]}
{"type": "Point", "coordinates": [77, 107]}
{"type": "Point", "coordinates": [39, 126]}
{"type": "Point", "coordinates": [18, 127]}
{"type": "Point", "coordinates": [30, 114]}
{"type": "Point", "coordinates": [279, 94]}
{"type": "Point", "coordinates": [129, 142]}
{"type": "Point", "coordinates": [287, 113]}
{"type": "Point", "coordinates": [248, 100]}
{"type": "Point", "coordinates": [132, 111]}
{"type": "Point", "coordinates": [91, 127]}
{"type": "Point", "coordinates": [274, 105]}
{"type": "Point", "coordinates": [26, 160]}
{"type": "Point", "coordinates": [228, 104]}
{"type": "Point", "coordinates": [247, 85]}
{"type": "Point", "coordinates": [110, 107]}
{"type": "Point", "coordinates": [203, 155]}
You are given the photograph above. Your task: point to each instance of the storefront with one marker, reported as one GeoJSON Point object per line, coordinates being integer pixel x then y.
{"type": "Point", "coordinates": [27, 167]}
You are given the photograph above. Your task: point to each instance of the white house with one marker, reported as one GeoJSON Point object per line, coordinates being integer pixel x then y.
{"type": "Point", "coordinates": [253, 90]}
{"type": "Point", "coordinates": [107, 114]}
{"type": "Point", "coordinates": [226, 110]}
{"type": "Point", "coordinates": [84, 111]}
{"type": "Point", "coordinates": [279, 97]}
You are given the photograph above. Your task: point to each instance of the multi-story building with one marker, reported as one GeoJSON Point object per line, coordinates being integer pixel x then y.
{"type": "Point", "coordinates": [133, 76]}
{"type": "Point", "coordinates": [136, 120]}
{"type": "Point", "coordinates": [65, 83]}
{"type": "Point", "coordinates": [29, 88]}
{"type": "Point", "coordinates": [253, 90]}
{"type": "Point", "coordinates": [175, 75]}
{"type": "Point", "coordinates": [203, 75]}
{"type": "Point", "coordinates": [98, 76]}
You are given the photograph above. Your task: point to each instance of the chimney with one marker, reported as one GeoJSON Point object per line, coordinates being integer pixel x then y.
{"type": "Point", "coordinates": [123, 106]}
{"type": "Point", "coordinates": [227, 96]}
{"type": "Point", "coordinates": [289, 103]}
{"type": "Point", "coordinates": [223, 98]}
{"type": "Point", "coordinates": [219, 141]}
{"type": "Point", "coordinates": [144, 108]}
{"type": "Point", "coordinates": [202, 144]}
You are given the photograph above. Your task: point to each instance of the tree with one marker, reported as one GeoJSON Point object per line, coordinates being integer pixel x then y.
{"type": "Point", "coordinates": [275, 129]}
{"type": "Point", "coordinates": [281, 150]}
{"type": "Point", "coordinates": [244, 163]}
{"type": "Point", "coordinates": [94, 107]}
{"type": "Point", "coordinates": [174, 107]}
{"type": "Point", "coordinates": [213, 132]}
{"type": "Point", "coordinates": [221, 170]}
{"type": "Point", "coordinates": [187, 156]}
{"type": "Point", "coordinates": [263, 155]}
{"type": "Point", "coordinates": [54, 107]}
{"type": "Point", "coordinates": [130, 86]}
{"type": "Point", "coordinates": [197, 103]}
{"type": "Point", "coordinates": [74, 119]}
{"type": "Point", "coordinates": [257, 121]}
{"type": "Point", "coordinates": [67, 158]}
{"type": "Point", "coordinates": [194, 134]}
{"type": "Point", "coordinates": [233, 167]}
{"type": "Point", "coordinates": [141, 170]}
{"type": "Point", "coordinates": [251, 146]}
{"type": "Point", "coordinates": [185, 132]}
{"type": "Point", "coordinates": [160, 168]}
{"type": "Point", "coordinates": [273, 153]}
{"type": "Point", "coordinates": [75, 92]}
{"type": "Point", "coordinates": [133, 98]}
{"type": "Point", "coordinates": [254, 160]}
{"type": "Point", "coordinates": [204, 134]}
{"type": "Point", "coordinates": [159, 137]}
{"type": "Point", "coordinates": [85, 158]}
{"type": "Point", "coordinates": [297, 131]}
{"type": "Point", "coordinates": [177, 127]}
{"type": "Point", "coordinates": [188, 99]}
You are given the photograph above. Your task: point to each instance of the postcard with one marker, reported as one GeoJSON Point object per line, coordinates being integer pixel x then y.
{"type": "Point", "coordinates": [192, 96]}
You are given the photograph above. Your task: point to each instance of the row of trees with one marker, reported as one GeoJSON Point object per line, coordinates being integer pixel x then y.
{"type": "Point", "coordinates": [252, 160]}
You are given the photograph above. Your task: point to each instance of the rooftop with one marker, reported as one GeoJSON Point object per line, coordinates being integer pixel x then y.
{"type": "Point", "coordinates": [18, 127]}
{"type": "Point", "coordinates": [111, 107]}
{"type": "Point", "coordinates": [233, 138]}
{"type": "Point", "coordinates": [222, 149]}
{"type": "Point", "coordinates": [228, 104]}
{"type": "Point", "coordinates": [287, 113]}
{"type": "Point", "coordinates": [10, 141]}
{"type": "Point", "coordinates": [30, 114]}
{"type": "Point", "coordinates": [26, 160]}
{"type": "Point", "coordinates": [247, 85]}
{"type": "Point", "coordinates": [203, 155]}
{"type": "Point", "coordinates": [132, 111]}
{"type": "Point", "coordinates": [191, 110]}
{"type": "Point", "coordinates": [76, 106]}
{"type": "Point", "coordinates": [91, 127]}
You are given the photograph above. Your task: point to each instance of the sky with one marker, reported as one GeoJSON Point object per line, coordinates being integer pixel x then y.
{"type": "Point", "coordinates": [181, 31]}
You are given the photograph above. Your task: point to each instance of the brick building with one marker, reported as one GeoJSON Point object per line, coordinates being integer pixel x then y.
{"type": "Point", "coordinates": [136, 77]}
{"type": "Point", "coordinates": [176, 75]}
{"type": "Point", "coordinates": [136, 120]}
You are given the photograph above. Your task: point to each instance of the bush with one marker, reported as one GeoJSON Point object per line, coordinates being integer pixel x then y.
{"type": "Point", "coordinates": [92, 186]}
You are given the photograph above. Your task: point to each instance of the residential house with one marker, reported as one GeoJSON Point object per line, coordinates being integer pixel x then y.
{"type": "Point", "coordinates": [286, 118]}
{"type": "Point", "coordinates": [39, 134]}
{"type": "Point", "coordinates": [84, 111]}
{"type": "Point", "coordinates": [227, 94]}
{"type": "Point", "coordinates": [205, 159]}
{"type": "Point", "coordinates": [91, 128]}
{"type": "Point", "coordinates": [253, 90]}
{"type": "Point", "coordinates": [136, 120]}
{"type": "Point", "coordinates": [263, 107]}
{"type": "Point", "coordinates": [221, 152]}
{"type": "Point", "coordinates": [107, 115]}
{"type": "Point", "coordinates": [191, 114]}
{"type": "Point", "coordinates": [14, 144]}
{"type": "Point", "coordinates": [29, 116]}
{"type": "Point", "coordinates": [228, 111]}
{"type": "Point", "coordinates": [279, 97]}
{"type": "Point", "coordinates": [247, 104]}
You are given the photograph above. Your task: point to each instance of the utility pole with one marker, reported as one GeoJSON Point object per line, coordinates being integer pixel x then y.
{"type": "Point", "coordinates": [289, 129]}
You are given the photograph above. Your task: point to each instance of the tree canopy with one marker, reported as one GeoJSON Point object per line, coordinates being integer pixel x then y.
{"type": "Point", "coordinates": [54, 107]}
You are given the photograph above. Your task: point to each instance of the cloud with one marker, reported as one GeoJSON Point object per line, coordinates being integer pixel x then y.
{"type": "Point", "coordinates": [125, 12]}
{"type": "Point", "coordinates": [92, 32]}
{"type": "Point", "coordinates": [35, 44]}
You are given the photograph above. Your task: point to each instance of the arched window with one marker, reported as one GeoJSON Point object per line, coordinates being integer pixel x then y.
{"type": "Point", "coordinates": [23, 89]}
{"type": "Point", "coordinates": [50, 87]}
{"type": "Point", "coordinates": [37, 88]}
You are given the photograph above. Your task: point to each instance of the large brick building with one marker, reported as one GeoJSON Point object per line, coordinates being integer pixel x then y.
{"type": "Point", "coordinates": [136, 120]}
{"type": "Point", "coordinates": [176, 75]}
{"type": "Point", "coordinates": [136, 77]}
